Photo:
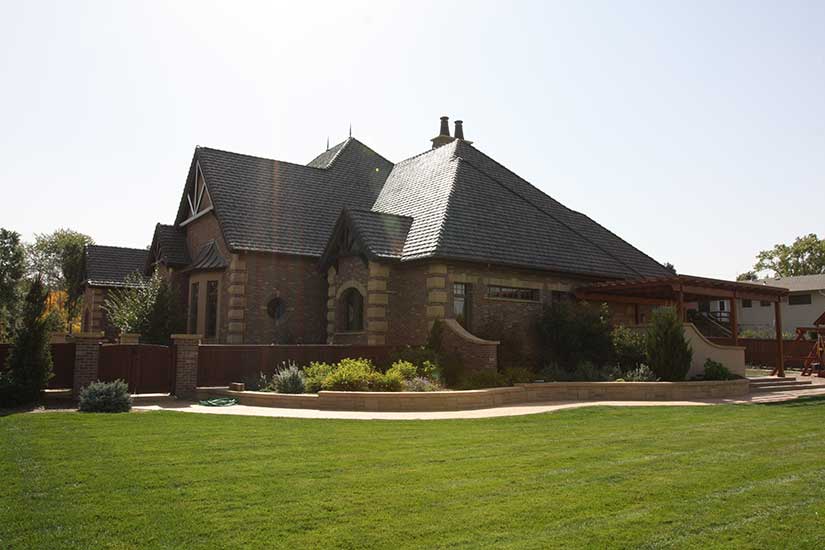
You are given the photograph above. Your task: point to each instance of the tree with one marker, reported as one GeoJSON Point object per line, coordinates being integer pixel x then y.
{"type": "Point", "coordinates": [668, 352]}
{"type": "Point", "coordinates": [670, 267]}
{"type": "Point", "coordinates": [12, 269]}
{"type": "Point", "coordinates": [571, 333]}
{"type": "Point", "coordinates": [150, 308]}
{"type": "Point", "coordinates": [805, 256]}
{"type": "Point", "coordinates": [58, 258]}
{"type": "Point", "coordinates": [747, 276]}
{"type": "Point", "coordinates": [30, 360]}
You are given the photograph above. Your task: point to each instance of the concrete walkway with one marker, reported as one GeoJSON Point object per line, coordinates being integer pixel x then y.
{"type": "Point", "coordinates": [170, 404]}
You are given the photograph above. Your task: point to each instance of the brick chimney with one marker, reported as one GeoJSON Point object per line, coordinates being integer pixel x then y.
{"type": "Point", "coordinates": [459, 131]}
{"type": "Point", "coordinates": [443, 136]}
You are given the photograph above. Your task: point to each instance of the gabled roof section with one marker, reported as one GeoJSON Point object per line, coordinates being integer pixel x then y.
{"type": "Point", "coordinates": [168, 247]}
{"type": "Point", "coordinates": [327, 157]}
{"type": "Point", "coordinates": [468, 207]}
{"type": "Point", "coordinates": [372, 235]}
{"type": "Point", "coordinates": [111, 266]}
{"type": "Point", "coordinates": [208, 257]}
{"type": "Point", "coordinates": [268, 205]}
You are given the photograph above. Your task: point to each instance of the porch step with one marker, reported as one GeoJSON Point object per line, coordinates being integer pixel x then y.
{"type": "Point", "coordinates": [779, 385]}
{"type": "Point", "coordinates": [773, 381]}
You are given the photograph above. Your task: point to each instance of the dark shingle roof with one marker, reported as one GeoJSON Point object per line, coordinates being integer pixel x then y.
{"type": "Point", "coordinates": [272, 206]}
{"type": "Point", "coordinates": [467, 206]}
{"type": "Point", "coordinates": [327, 157]}
{"type": "Point", "coordinates": [383, 234]}
{"type": "Point", "coordinates": [112, 265]}
{"type": "Point", "coordinates": [209, 257]}
{"type": "Point", "coordinates": [169, 246]}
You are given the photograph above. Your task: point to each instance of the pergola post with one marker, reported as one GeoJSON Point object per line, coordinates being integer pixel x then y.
{"type": "Point", "coordinates": [780, 342]}
{"type": "Point", "coordinates": [680, 305]}
{"type": "Point", "coordinates": [734, 321]}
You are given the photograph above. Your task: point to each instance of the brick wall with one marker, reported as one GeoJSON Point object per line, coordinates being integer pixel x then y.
{"type": "Point", "coordinates": [352, 272]}
{"type": "Point", "coordinates": [476, 354]}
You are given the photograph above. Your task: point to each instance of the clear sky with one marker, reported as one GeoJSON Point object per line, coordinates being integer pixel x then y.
{"type": "Point", "coordinates": [694, 130]}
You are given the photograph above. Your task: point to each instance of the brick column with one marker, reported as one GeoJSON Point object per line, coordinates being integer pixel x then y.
{"type": "Point", "coordinates": [86, 358]}
{"type": "Point", "coordinates": [186, 363]}
{"type": "Point", "coordinates": [377, 301]}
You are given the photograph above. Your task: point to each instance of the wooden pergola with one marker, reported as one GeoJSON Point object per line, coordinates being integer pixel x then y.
{"type": "Point", "coordinates": [676, 290]}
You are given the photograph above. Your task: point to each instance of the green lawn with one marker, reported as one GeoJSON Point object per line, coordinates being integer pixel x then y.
{"type": "Point", "coordinates": [721, 476]}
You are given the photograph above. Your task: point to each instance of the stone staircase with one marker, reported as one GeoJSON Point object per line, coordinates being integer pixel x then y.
{"type": "Point", "coordinates": [771, 385]}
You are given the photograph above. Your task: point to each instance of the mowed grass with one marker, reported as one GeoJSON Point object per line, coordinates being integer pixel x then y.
{"type": "Point", "coordinates": [646, 477]}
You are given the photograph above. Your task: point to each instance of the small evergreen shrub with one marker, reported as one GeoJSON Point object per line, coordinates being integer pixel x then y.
{"type": "Point", "coordinates": [668, 352]}
{"type": "Point", "coordinates": [404, 369]}
{"type": "Point", "coordinates": [421, 383]}
{"type": "Point", "coordinates": [483, 379]}
{"type": "Point", "coordinates": [315, 374]}
{"type": "Point", "coordinates": [715, 370]}
{"type": "Point", "coordinates": [388, 381]}
{"type": "Point", "coordinates": [642, 373]}
{"type": "Point", "coordinates": [289, 379]}
{"type": "Point", "coordinates": [107, 397]}
{"type": "Point", "coordinates": [350, 375]}
{"type": "Point", "coordinates": [629, 347]}
{"type": "Point", "coordinates": [518, 375]}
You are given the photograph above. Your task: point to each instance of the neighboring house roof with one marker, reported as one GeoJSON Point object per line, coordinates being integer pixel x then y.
{"type": "Point", "coordinates": [800, 283]}
{"type": "Point", "coordinates": [168, 247]}
{"type": "Point", "coordinates": [466, 206]}
{"type": "Point", "coordinates": [268, 205]}
{"type": "Point", "coordinates": [111, 265]}
{"type": "Point", "coordinates": [208, 257]}
{"type": "Point", "coordinates": [376, 235]}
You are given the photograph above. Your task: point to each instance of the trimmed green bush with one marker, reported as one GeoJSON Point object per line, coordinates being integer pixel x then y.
{"type": "Point", "coordinates": [289, 379]}
{"type": "Point", "coordinates": [715, 370]}
{"type": "Point", "coordinates": [518, 375]}
{"type": "Point", "coordinates": [350, 375]}
{"type": "Point", "coordinates": [388, 381]}
{"type": "Point", "coordinates": [571, 333]}
{"type": "Point", "coordinates": [421, 383]}
{"type": "Point", "coordinates": [315, 374]}
{"type": "Point", "coordinates": [106, 397]}
{"type": "Point", "coordinates": [404, 369]}
{"type": "Point", "coordinates": [629, 347]}
{"type": "Point", "coordinates": [668, 352]}
{"type": "Point", "coordinates": [483, 379]}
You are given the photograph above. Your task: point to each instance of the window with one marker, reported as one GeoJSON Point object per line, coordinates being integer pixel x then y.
{"type": "Point", "coordinates": [764, 303]}
{"type": "Point", "coordinates": [211, 329]}
{"type": "Point", "coordinates": [560, 296]}
{"type": "Point", "coordinates": [354, 308]}
{"type": "Point", "coordinates": [704, 307]}
{"type": "Point", "coordinates": [799, 299]}
{"type": "Point", "coordinates": [275, 308]}
{"type": "Point", "coordinates": [193, 309]}
{"type": "Point", "coordinates": [747, 303]}
{"type": "Point", "coordinates": [461, 304]}
{"type": "Point", "coordinates": [722, 305]}
{"type": "Point", "coordinates": [512, 293]}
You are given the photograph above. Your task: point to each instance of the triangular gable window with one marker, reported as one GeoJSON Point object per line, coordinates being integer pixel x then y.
{"type": "Point", "coordinates": [198, 197]}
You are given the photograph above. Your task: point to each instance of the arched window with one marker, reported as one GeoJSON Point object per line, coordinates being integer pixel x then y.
{"type": "Point", "coordinates": [353, 310]}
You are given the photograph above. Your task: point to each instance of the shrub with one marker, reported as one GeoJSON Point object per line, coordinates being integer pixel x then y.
{"type": "Point", "coordinates": [389, 381]}
{"type": "Point", "coordinates": [403, 369]}
{"type": "Point", "coordinates": [584, 372]}
{"type": "Point", "coordinates": [668, 352]}
{"type": "Point", "coordinates": [518, 375]}
{"type": "Point", "coordinates": [350, 375]}
{"type": "Point", "coordinates": [483, 379]}
{"type": "Point", "coordinates": [315, 374]}
{"type": "Point", "coordinates": [642, 373]}
{"type": "Point", "coordinates": [571, 333]}
{"type": "Point", "coordinates": [629, 347]}
{"type": "Point", "coordinates": [421, 383]}
{"type": "Point", "coordinates": [105, 397]}
{"type": "Point", "coordinates": [30, 360]}
{"type": "Point", "coordinates": [715, 370]}
{"type": "Point", "coordinates": [289, 379]}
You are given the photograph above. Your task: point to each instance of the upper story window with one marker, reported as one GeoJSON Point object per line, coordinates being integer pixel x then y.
{"type": "Point", "coordinates": [211, 329]}
{"type": "Point", "coordinates": [513, 293]}
{"type": "Point", "coordinates": [747, 303]}
{"type": "Point", "coordinates": [764, 303]}
{"type": "Point", "coordinates": [799, 299]}
{"type": "Point", "coordinates": [462, 294]}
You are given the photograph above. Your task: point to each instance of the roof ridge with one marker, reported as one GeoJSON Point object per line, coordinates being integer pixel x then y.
{"type": "Point", "coordinates": [440, 234]}
{"type": "Point", "coordinates": [546, 213]}
{"type": "Point", "coordinates": [426, 152]}
{"type": "Point", "coordinates": [117, 247]}
{"type": "Point", "coordinates": [259, 158]}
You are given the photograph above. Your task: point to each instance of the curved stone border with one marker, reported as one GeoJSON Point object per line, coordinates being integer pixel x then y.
{"type": "Point", "coordinates": [489, 398]}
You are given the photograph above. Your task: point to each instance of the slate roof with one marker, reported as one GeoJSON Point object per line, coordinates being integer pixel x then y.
{"type": "Point", "coordinates": [268, 205]}
{"type": "Point", "coordinates": [466, 206]}
{"type": "Point", "coordinates": [110, 266]}
{"type": "Point", "coordinates": [377, 235]}
{"type": "Point", "coordinates": [168, 246]}
{"type": "Point", "coordinates": [208, 257]}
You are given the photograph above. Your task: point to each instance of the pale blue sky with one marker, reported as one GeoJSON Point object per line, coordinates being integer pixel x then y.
{"type": "Point", "coordinates": [695, 130]}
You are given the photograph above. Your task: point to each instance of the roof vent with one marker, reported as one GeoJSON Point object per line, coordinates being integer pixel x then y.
{"type": "Point", "coordinates": [443, 136]}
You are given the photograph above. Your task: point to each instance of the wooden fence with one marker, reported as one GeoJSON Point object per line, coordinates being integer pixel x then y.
{"type": "Point", "coordinates": [220, 365]}
{"type": "Point", "coordinates": [62, 364]}
{"type": "Point", "coordinates": [762, 352]}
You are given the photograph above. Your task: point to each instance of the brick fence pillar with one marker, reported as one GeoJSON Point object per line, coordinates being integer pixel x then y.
{"type": "Point", "coordinates": [186, 363]}
{"type": "Point", "coordinates": [476, 353]}
{"type": "Point", "coordinates": [86, 358]}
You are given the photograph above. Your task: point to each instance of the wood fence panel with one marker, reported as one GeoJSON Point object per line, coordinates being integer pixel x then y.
{"type": "Point", "coordinates": [762, 352]}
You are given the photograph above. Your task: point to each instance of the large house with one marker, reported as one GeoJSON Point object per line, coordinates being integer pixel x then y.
{"type": "Point", "coordinates": [805, 304]}
{"type": "Point", "coordinates": [353, 248]}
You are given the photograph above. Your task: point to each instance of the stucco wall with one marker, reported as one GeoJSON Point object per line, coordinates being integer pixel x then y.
{"type": "Point", "coordinates": [733, 357]}
{"type": "Point", "coordinates": [762, 317]}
